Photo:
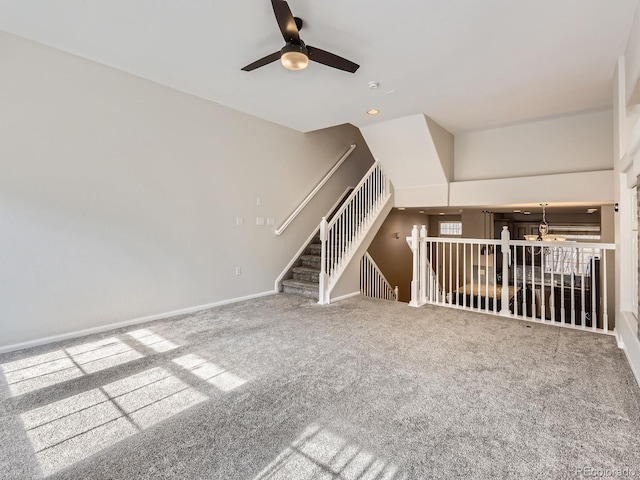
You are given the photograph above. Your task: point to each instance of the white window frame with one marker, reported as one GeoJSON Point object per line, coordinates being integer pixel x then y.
{"type": "Point", "coordinates": [451, 223]}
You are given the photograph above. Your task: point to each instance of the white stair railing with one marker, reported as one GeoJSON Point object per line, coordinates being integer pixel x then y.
{"type": "Point", "coordinates": [342, 234]}
{"type": "Point", "coordinates": [373, 283]}
{"type": "Point", "coordinates": [557, 283]}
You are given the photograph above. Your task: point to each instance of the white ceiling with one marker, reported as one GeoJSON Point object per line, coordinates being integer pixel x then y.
{"type": "Point", "coordinates": [468, 64]}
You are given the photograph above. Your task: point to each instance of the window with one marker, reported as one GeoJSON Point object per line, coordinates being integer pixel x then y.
{"type": "Point", "coordinates": [450, 228]}
{"type": "Point", "coordinates": [584, 233]}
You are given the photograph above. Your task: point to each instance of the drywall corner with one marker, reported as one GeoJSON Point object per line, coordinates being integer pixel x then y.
{"type": "Point", "coordinates": [443, 142]}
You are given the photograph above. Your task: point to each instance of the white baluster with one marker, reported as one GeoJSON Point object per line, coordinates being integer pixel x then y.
{"type": "Point", "coordinates": [323, 262]}
{"type": "Point", "coordinates": [464, 276]}
{"type": "Point", "coordinates": [423, 265]}
{"type": "Point", "coordinates": [450, 271]}
{"type": "Point", "coordinates": [505, 238]}
{"type": "Point", "coordinates": [415, 281]}
{"type": "Point", "coordinates": [603, 275]}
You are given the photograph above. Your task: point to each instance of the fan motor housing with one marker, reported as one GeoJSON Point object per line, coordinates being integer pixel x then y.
{"type": "Point", "coordinates": [292, 47]}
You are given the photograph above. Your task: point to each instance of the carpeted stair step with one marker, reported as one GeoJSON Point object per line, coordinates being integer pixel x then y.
{"type": "Point", "coordinates": [312, 261]}
{"type": "Point", "coordinates": [314, 249]}
{"type": "Point", "coordinates": [307, 274]}
{"type": "Point", "coordinates": [300, 287]}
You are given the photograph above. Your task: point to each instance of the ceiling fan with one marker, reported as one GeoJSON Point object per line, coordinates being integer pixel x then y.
{"type": "Point", "coordinates": [295, 55]}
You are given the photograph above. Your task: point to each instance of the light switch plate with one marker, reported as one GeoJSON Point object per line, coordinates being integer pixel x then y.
{"type": "Point", "coordinates": [271, 221]}
{"type": "Point", "coordinates": [259, 220]}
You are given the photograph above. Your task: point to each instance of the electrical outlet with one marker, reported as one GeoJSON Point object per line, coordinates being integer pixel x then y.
{"type": "Point", "coordinates": [271, 221]}
{"type": "Point", "coordinates": [238, 271]}
{"type": "Point", "coordinates": [239, 221]}
{"type": "Point", "coordinates": [259, 220]}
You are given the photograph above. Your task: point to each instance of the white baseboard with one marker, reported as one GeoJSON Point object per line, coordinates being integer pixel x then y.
{"type": "Point", "coordinates": [127, 323]}
{"type": "Point", "coordinates": [344, 297]}
{"type": "Point", "coordinates": [627, 334]}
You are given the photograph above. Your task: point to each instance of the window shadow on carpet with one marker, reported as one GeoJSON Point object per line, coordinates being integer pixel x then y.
{"type": "Point", "coordinates": [321, 454]}
{"type": "Point", "coordinates": [67, 431]}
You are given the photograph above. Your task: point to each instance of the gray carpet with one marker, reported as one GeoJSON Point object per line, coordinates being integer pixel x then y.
{"type": "Point", "coordinates": [280, 388]}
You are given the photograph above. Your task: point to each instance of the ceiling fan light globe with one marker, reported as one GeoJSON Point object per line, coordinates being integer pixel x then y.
{"type": "Point", "coordinates": [294, 60]}
{"type": "Point", "coordinates": [294, 57]}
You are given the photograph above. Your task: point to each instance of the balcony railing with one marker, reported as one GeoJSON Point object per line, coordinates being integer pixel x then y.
{"type": "Point", "coordinates": [559, 283]}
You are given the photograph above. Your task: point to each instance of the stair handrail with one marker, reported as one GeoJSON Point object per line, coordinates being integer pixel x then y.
{"type": "Point", "coordinates": [373, 283]}
{"type": "Point", "coordinates": [317, 188]}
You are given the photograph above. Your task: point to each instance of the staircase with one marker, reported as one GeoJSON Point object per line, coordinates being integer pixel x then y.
{"type": "Point", "coordinates": [340, 238]}
{"type": "Point", "coordinates": [304, 277]}
{"type": "Point", "coordinates": [305, 274]}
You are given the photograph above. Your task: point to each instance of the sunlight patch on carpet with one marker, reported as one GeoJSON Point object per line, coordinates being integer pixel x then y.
{"type": "Point", "coordinates": [41, 371]}
{"type": "Point", "coordinates": [152, 340]}
{"type": "Point", "coordinates": [67, 431]}
{"type": "Point", "coordinates": [214, 374]}
{"type": "Point", "coordinates": [321, 454]}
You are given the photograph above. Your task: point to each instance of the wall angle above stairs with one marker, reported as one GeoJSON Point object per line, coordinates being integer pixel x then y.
{"type": "Point", "coordinates": [417, 155]}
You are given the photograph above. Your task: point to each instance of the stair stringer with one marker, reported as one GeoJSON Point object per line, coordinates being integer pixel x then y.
{"type": "Point", "coordinates": [347, 280]}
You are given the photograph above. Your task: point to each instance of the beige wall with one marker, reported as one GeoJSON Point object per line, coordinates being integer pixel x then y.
{"type": "Point", "coordinates": [576, 143]}
{"type": "Point", "coordinates": [392, 254]}
{"type": "Point", "coordinates": [119, 197]}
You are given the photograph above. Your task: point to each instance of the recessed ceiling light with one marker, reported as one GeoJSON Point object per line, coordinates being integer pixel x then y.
{"type": "Point", "coordinates": [374, 85]}
{"type": "Point", "coordinates": [421, 211]}
{"type": "Point", "coordinates": [527, 213]}
{"type": "Point", "coordinates": [517, 211]}
{"type": "Point", "coordinates": [592, 210]}
{"type": "Point", "coordinates": [373, 111]}
{"type": "Point", "coordinates": [401, 208]}
{"type": "Point", "coordinates": [441, 213]}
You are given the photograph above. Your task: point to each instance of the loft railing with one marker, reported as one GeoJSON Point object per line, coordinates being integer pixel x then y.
{"type": "Point", "coordinates": [558, 283]}
{"type": "Point", "coordinates": [317, 188]}
{"type": "Point", "coordinates": [341, 235]}
{"type": "Point", "coordinates": [373, 283]}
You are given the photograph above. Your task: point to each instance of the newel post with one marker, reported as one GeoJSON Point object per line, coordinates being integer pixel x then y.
{"type": "Point", "coordinates": [322, 284]}
{"type": "Point", "coordinates": [423, 265]}
{"type": "Point", "coordinates": [415, 279]}
{"type": "Point", "coordinates": [505, 237]}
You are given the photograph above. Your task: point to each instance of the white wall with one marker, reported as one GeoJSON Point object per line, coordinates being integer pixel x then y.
{"type": "Point", "coordinates": [443, 141]}
{"type": "Point", "coordinates": [118, 197]}
{"type": "Point", "coordinates": [576, 143]}
{"type": "Point", "coordinates": [627, 166]}
{"type": "Point", "coordinates": [583, 187]}
{"type": "Point", "coordinates": [632, 61]}
{"type": "Point", "coordinates": [407, 151]}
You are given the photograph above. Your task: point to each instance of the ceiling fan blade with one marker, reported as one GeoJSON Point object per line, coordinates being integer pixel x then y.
{"type": "Point", "coordinates": [331, 60]}
{"type": "Point", "coordinates": [286, 22]}
{"type": "Point", "coordinates": [262, 62]}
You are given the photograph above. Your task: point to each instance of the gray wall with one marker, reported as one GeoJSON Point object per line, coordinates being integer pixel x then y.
{"type": "Point", "coordinates": [119, 197]}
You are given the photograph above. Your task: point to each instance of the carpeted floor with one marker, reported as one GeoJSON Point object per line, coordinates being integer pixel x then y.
{"type": "Point", "coordinates": [279, 387]}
